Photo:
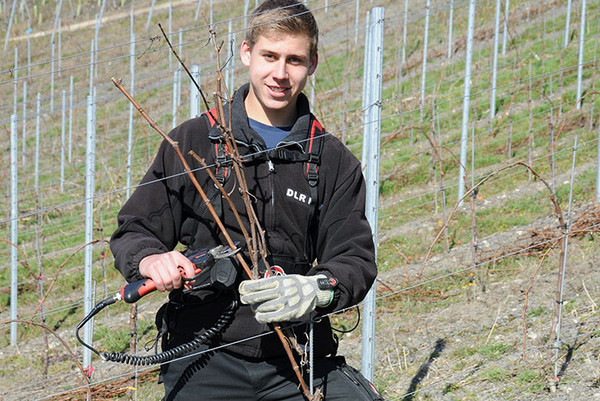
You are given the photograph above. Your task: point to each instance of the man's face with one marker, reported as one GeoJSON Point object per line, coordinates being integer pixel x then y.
{"type": "Point", "coordinates": [279, 66]}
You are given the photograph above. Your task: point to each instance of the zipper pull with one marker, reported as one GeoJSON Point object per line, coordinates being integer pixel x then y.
{"type": "Point", "coordinates": [271, 166]}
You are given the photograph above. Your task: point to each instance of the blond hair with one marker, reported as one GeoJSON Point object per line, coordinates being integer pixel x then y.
{"type": "Point", "coordinates": [274, 17]}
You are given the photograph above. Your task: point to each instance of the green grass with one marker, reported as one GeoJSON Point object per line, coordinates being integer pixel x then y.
{"type": "Point", "coordinates": [493, 351]}
{"type": "Point", "coordinates": [496, 375]}
{"type": "Point", "coordinates": [536, 312]}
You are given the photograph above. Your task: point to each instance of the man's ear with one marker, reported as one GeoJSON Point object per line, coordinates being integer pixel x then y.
{"type": "Point", "coordinates": [313, 64]}
{"type": "Point", "coordinates": [245, 51]}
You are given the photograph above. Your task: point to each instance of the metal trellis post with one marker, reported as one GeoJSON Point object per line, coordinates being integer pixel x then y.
{"type": "Point", "coordinates": [24, 136]}
{"type": "Point", "coordinates": [52, 72]}
{"type": "Point", "coordinates": [404, 31]}
{"type": "Point", "coordinates": [366, 93]}
{"type": "Point", "coordinates": [91, 66]}
{"type": "Point", "coordinates": [372, 177]}
{"type": "Point", "coordinates": [130, 132]}
{"type": "Point", "coordinates": [89, 225]}
{"type": "Point", "coordinates": [424, 63]}
{"type": "Point", "coordinates": [564, 263]}
{"type": "Point", "coordinates": [62, 140]}
{"type": "Point", "coordinates": [13, 229]}
{"type": "Point", "coordinates": [466, 99]}
{"type": "Point", "coordinates": [10, 19]}
{"type": "Point", "coordinates": [505, 32]}
{"type": "Point", "coordinates": [450, 23]}
{"type": "Point", "coordinates": [150, 14]}
{"type": "Point", "coordinates": [567, 24]}
{"type": "Point", "coordinates": [59, 48]}
{"type": "Point", "coordinates": [36, 160]}
{"type": "Point", "coordinates": [356, 19]}
{"type": "Point", "coordinates": [580, 62]}
{"type": "Point", "coordinates": [16, 81]}
{"type": "Point", "coordinates": [194, 93]}
{"type": "Point", "coordinates": [70, 153]}
{"type": "Point", "coordinates": [174, 111]}
{"type": "Point", "coordinates": [495, 62]}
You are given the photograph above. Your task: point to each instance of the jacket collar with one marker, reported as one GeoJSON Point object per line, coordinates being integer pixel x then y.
{"type": "Point", "coordinates": [245, 135]}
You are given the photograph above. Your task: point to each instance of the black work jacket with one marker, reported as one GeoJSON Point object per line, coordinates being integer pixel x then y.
{"type": "Point", "coordinates": [330, 236]}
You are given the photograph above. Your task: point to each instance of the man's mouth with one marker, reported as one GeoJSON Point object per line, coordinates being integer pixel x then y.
{"type": "Point", "coordinates": [277, 89]}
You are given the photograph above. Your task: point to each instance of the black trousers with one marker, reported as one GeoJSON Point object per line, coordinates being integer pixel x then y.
{"type": "Point", "coordinates": [219, 375]}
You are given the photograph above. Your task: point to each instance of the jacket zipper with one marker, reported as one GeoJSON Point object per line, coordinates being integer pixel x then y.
{"type": "Point", "coordinates": [271, 211]}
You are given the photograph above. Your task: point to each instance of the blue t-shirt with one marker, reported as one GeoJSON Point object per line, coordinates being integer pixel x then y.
{"type": "Point", "coordinates": [271, 135]}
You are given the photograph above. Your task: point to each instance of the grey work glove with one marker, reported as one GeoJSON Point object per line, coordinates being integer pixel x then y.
{"type": "Point", "coordinates": [284, 298]}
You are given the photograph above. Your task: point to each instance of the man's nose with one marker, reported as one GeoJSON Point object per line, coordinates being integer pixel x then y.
{"type": "Point", "coordinates": [280, 71]}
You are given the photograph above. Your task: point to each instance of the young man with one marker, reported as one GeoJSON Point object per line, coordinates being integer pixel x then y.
{"type": "Point", "coordinates": [308, 194]}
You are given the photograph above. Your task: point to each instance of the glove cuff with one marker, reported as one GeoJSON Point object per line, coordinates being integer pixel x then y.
{"type": "Point", "coordinates": [324, 298]}
{"type": "Point", "coordinates": [324, 295]}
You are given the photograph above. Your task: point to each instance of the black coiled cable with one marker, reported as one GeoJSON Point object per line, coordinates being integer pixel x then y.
{"type": "Point", "coordinates": [179, 350]}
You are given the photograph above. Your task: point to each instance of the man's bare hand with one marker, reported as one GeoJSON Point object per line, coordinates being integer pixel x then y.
{"type": "Point", "coordinates": [164, 269]}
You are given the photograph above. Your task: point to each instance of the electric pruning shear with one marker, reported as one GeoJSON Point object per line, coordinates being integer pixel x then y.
{"type": "Point", "coordinates": [213, 268]}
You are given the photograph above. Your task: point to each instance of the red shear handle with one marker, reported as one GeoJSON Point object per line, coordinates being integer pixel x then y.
{"type": "Point", "coordinates": [132, 292]}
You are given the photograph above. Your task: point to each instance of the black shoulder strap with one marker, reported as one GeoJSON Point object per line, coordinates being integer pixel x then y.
{"type": "Point", "coordinates": [311, 156]}
{"type": "Point", "coordinates": [311, 170]}
{"type": "Point", "coordinates": [314, 152]}
{"type": "Point", "coordinates": [314, 157]}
